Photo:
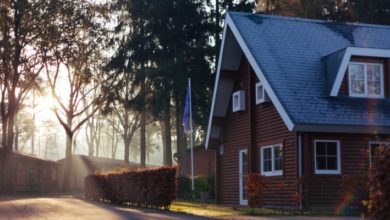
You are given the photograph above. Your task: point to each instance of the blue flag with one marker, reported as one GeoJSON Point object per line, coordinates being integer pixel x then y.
{"type": "Point", "coordinates": [186, 113]}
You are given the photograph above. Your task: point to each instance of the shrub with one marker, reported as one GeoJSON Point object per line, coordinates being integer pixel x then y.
{"type": "Point", "coordinates": [379, 185]}
{"type": "Point", "coordinates": [147, 188]}
{"type": "Point", "coordinates": [201, 183]}
{"type": "Point", "coordinates": [256, 185]}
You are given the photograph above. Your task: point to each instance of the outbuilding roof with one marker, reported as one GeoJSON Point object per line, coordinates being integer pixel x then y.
{"type": "Point", "coordinates": [300, 62]}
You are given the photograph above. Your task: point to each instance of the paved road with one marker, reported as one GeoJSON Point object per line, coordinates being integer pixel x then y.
{"type": "Point", "coordinates": [58, 208]}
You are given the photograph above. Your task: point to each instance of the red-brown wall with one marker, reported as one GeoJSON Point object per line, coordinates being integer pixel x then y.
{"type": "Point", "coordinates": [326, 190]}
{"type": "Point", "coordinates": [204, 162]}
{"type": "Point", "coordinates": [268, 128]}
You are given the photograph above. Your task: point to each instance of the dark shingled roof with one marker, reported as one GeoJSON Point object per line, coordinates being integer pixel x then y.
{"type": "Point", "coordinates": [291, 52]}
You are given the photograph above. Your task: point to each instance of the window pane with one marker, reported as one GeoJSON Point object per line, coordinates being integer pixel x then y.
{"type": "Point", "coordinates": [321, 162]}
{"type": "Point", "coordinates": [373, 149]}
{"type": "Point", "coordinates": [332, 163]}
{"type": "Point", "coordinates": [267, 153]}
{"type": "Point", "coordinates": [331, 149]}
{"type": "Point", "coordinates": [259, 91]}
{"type": "Point", "coordinates": [278, 152]}
{"type": "Point", "coordinates": [278, 164]}
{"type": "Point", "coordinates": [267, 165]}
{"type": "Point", "coordinates": [356, 72]}
{"type": "Point", "coordinates": [377, 88]}
{"type": "Point", "coordinates": [235, 101]}
{"type": "Point", "coordinates": [320, 148]}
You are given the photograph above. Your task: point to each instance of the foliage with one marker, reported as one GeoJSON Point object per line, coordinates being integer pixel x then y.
{"type": "Point", "coordinates": [23, 25]}
{"type": "Point", "coordinates": [379, 184]}
{"type": "Point", "coordinates": [201, 184]}
{"type": "Point", "coordinates": [364, 11]}
{"type": "Point", "coordinates": [256, 185]}
{"type": "Point", "coordinates": [154, 188]}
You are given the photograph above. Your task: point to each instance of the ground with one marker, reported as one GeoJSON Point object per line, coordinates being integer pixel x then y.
{"type": "Point", "coordinates": [68, 207]}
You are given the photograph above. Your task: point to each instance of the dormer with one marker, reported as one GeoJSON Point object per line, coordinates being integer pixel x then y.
{"type": "Point", "coordinates": [359, 72]}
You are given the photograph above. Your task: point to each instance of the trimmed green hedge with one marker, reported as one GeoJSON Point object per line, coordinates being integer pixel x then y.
{"type": "Point", "coordinates": [154, 188]}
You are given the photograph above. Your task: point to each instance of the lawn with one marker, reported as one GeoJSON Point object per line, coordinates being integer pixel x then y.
{"type": "Point", "coordinates": [213, 210]}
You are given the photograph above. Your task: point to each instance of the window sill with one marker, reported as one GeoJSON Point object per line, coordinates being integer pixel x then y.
{"type": "Point", "coordinates": [275, 173]}
{"type": "Point", "coordinates": [327, 172]}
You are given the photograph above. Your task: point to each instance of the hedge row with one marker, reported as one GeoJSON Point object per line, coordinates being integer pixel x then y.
{"type": "Point", "coordinates": [153, 188]}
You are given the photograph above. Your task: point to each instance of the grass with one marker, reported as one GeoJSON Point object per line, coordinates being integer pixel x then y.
{"type": "Point", "coordinates": [218, 211]}
{"type": "Point", "coordinates": [213, 210]}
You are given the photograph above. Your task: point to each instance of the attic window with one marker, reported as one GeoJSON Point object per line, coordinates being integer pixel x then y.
{"type": "Point", "coordinates": [366, 80]}
{"type": "Point", "coordinates": [238, 101]}
{"type": "Point", "coordinates": [261, 96]}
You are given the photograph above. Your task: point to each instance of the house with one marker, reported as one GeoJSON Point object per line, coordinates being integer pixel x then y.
{"type": "Point", "coordinates": [204, 161]}
{"type": "Point", "coordinates": [32, 174]}
{"type": "Point", "coordinates": [302, 102]}
{"type": "Point", "coordinates": [83, 165]}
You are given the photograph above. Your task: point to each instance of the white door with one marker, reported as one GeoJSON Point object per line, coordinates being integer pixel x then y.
{"type": "Point", "coordinates": [243, 171]}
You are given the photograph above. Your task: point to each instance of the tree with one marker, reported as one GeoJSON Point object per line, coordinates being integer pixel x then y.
{"type": "Point", "coordinates": [182, 31]}
{"type": "Point", "coordinates": [364, 11]}
{"type": "Point", "coordinates": [73, 72]}
{"type": "Point", "coordinates": [22, 27]}
{"type": "Point", "coordinates": [132, 57]}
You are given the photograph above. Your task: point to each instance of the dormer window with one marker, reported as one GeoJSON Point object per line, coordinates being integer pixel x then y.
{"type": "Point", "coordinates": [366, 80]}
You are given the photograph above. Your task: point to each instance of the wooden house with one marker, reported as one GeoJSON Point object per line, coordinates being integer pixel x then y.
{"type": "Point", "coordinates": [204, 161]}
{"type": "Point", "coordinates": [302, 102]}
{"type": "Point", "coordinates": [33, 174]}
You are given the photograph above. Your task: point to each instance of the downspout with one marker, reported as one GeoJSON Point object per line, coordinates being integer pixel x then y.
{"type": "Point", "coordinates": [300, 187]}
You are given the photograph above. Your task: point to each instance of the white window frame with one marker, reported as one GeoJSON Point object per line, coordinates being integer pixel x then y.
{"type": "Point", "coordinates": [338, 170]}
{"type": "Point", "coordinates": [366, 95]}
{"type": "Point", "coordinates": [238, 101]}
{"type": "Point", "coordinates": [273, 172]}
{"type": "Point", "coordinates": [370, 149]}
{"type": "Point", "coordinates": [257, 87]}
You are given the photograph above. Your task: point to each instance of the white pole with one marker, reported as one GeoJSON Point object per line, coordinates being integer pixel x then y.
{"type": "Point", "coordinates": [191, 141]}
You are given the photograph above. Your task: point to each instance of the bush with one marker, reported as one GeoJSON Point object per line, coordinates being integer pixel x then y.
{"type": "Point", "coordinates": [153, 188]}
{"type": "Point", "coordinates": [379, 185]}
{"type": "Point", "coordinates": [256, 185]}
{"type": "Point", "coordinates": [201, 183]}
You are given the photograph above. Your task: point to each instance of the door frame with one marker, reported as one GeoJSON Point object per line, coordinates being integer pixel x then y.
{"type": "Point", "coordinates": [240, 173]}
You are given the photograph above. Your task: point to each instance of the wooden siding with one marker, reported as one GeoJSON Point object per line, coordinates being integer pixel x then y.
{"type": "Point", "coordinates": [235, 137]}
{"type": "Point", "coordinates": [267, 128]}
{"type": "Point", "coordinates": [344, 88]}
{"type": "Point", "coordinates": [204, 161]}
{"type": "Point", "coordinates": [34, 175]}
{"type": "Point", "coordinates": [322, 190]}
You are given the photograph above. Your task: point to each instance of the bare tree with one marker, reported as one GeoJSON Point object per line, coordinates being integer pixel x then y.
{"type": "Point", "coordinates": [23, 26]}
{"type": "Point", "coordinates": [74, 71]}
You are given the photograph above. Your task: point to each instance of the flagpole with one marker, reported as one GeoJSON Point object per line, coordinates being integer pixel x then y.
{"type": "Point", "coordinates": [191, 140]}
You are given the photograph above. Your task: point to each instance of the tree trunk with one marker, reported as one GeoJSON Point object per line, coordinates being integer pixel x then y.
{"type": "Point", "coordinates": [181, 140]}
{"type": "Point", "coordinates": [68, 155]}
{"type": "Point", "coordinates": [127, 149]}
{"type": "Point", "coordinates": [143, 122]}
{"type": "Point", "coordinates": [33, 128]}
{"type": "Point", "coordinates": [8, 183]}
{"type": "Point", "coordinates": [167, 136]}
{"type": "Point", "coordinates": [16, 133]}
{"type": "Point", "coordinates": [68, 163]}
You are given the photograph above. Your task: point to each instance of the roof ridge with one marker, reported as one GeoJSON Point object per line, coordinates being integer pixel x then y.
{"type": "Point", "coordinates": [290, 18]}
